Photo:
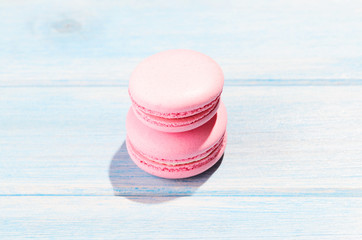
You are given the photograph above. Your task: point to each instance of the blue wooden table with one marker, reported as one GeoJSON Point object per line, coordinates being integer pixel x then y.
{"type": "Point", "coordinates": [293, 90]}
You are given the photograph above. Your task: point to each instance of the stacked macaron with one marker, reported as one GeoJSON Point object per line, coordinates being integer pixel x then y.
{"type": "Point", "coordinates": [176, 127]}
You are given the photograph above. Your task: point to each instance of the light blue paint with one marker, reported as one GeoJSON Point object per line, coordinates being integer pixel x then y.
{"type": "Point", "coordinates": [292, 167]}
{"type": "Point", "coordinates": [251, 40]}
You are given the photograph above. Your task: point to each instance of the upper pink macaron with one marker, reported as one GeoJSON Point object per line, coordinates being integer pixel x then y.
{"type": "Point", "coordinates": [171, 86]}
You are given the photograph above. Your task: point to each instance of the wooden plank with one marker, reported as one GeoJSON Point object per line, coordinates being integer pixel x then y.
{"type": "Point", "coordinates": [282, 141]}
{"type": "Point", "coordinates": [78, 42]}
{"type": "Point", "coordinates": [180, 218]}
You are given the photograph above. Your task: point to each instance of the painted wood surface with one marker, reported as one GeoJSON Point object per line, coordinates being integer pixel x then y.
{"type": "Point", "coordinates": [293, 164]}
{"type": "Point", "coordinates": [82, 42]}
{"type": "Point", "coordinates": [292, 168]}
{"type": "Point", "coordinates": [182, 218]}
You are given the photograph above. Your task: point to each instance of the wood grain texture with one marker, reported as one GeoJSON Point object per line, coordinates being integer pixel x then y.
{"type": "Point", "coordinates": [182, 218]}
{"type": "Point", "coordinates": [291, 138]}
{"type": "Point", "coordinates": [292, 168]}
{"type": "Point", "coordinates": [81, 42]}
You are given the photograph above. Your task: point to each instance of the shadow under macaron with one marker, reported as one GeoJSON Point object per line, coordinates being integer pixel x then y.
{"type": "Point", "coordinates": [129, 181]}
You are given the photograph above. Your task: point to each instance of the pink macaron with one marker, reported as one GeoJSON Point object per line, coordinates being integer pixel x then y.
{"type": "Point", "coordinates": [176, 90]}
{"type": "Point", "coordinates": [176, 155]}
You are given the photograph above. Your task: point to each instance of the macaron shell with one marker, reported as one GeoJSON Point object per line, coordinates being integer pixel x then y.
{"type": "Point", "coordinates": [176, 81]}
{"type": "Point", "coordinates": [181, 145]}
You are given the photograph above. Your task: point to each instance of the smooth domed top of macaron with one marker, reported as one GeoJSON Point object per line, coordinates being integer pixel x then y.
{"type": "Point", "coordinates": [176, 81]}
{"type": "Point", "coordinates": [176, 146]}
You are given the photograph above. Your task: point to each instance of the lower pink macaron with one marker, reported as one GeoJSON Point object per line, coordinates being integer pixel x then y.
{"type": "Point", "coordinates": [176, 155]}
